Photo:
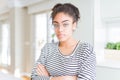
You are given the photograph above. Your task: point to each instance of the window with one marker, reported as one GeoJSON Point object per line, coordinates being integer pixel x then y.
{"type": "Point", "coordinates": [43, 32]}
{"type": "Point", "coordinates": [5, 45]}
{"type": "Point", "coordinates": [40, 33]}
{"type": "Point", "coordinates": [99, 32]}
{"type": "Point", "coordinates": [113, 31]}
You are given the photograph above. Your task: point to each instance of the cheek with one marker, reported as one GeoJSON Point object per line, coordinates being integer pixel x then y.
{"type": "Point", "coordinates": [55, 31]}
{"type": "Point", "coordinates": [69, 32]}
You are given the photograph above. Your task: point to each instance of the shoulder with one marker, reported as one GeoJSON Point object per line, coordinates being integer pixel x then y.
{"type": "Point", "coordinates": [50, 46]}
{"type": "Point", "coordinates": [86, 45]}
{"type": "Point", "coordinates": [48, 49]}
{"type": "Point", "coordinates": [86, 48]}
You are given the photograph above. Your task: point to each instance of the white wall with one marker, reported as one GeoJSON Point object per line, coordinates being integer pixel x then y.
{"type": "Point", "coordinates": [85, 30]}
{"type": "Point", "coordinates": [110, 8]}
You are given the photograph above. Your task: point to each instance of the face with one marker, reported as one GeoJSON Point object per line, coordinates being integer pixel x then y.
{"type": "Point", "coordinates": [63, 26]}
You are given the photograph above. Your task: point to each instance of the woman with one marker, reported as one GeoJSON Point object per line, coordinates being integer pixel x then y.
{"type": "Point", "coordinates": [68, 59]}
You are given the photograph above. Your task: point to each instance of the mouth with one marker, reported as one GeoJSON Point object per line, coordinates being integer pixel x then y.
{"type": "Point", "coordinates": [60, 35]}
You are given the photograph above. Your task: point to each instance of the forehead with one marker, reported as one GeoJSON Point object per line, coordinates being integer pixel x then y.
{"type": "Point", "coordinates": [60, 17]}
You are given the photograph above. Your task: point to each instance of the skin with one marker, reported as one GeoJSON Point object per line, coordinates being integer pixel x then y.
{"type": "Point", "coordinates": [64, 28]}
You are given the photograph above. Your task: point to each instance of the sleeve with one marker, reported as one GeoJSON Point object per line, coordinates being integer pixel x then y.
{"type": "Point", "coordinates": [88, 64]}
{"type": "Point", "coordinates": [41, 60]}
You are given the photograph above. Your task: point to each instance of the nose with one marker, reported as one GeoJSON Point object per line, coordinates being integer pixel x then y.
{"type": "Point", "coordinates": [60, 28]}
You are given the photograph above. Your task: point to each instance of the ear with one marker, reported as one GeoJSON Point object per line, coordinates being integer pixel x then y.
{"type": "Point", "coordinates": [74, 25]}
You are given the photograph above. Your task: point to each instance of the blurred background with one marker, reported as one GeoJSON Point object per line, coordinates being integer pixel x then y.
{"type": "Point", "coordinates": [25, 26]}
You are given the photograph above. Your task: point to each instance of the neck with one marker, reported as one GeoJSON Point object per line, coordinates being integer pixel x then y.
{"type": "Point", "coordinates": [68, 42]}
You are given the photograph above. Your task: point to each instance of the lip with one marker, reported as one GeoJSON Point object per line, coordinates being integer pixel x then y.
{"type": "Point", "coordinates": [60, 35]}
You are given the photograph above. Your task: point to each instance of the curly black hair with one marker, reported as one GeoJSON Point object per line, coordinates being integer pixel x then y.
{"type": "Point", "coordinates": [66, 8]}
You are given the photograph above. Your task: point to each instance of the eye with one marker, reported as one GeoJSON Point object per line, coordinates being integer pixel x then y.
{"type": "Point", "coordinates": [55, 25]}
{"type": "Point", "coordinates": [65, 24]}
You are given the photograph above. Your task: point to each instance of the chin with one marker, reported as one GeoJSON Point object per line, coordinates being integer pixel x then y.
{"type": "Point", "coordinates": [62, 40]}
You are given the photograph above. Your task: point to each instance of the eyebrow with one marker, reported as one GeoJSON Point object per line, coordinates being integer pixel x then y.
{"type": "Point", "coordinates": [62, 21]}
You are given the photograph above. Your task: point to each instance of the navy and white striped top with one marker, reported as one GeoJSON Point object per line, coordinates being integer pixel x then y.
{"type": "Point", "coordinates": [81, 63]}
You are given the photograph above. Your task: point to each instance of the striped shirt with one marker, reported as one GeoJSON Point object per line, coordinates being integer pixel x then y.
{"type": "Point", "coordinates": [81, 63]}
